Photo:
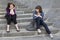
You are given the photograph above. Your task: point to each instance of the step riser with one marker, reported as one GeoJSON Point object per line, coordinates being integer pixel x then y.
{"type": "Point", "coordinates": [21, 9]}
{"type": "Point", "coordinates": [18, 13]}
{"type": "Point", "coordinates": [19, 21]}
{"type": "Point", "coordinates": [18, 16]}
{"type": "Point", "coordinates": [26, 26]}
{"type": "Point", "coordinates": [4, 34]}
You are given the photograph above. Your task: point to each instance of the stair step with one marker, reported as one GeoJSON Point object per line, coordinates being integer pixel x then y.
{"type": "Point", "coordinates": [18, 12]}
{"type": "Point", "coordinates": [28, 19]}
{"type": "Point", "coordinates": [19, 16]}
{"type": "Point", "coordinates": [26, 25]}
{"type": "Point", "coordinates": [26, 10]}
{"type": "Point", "coordinates": [19, 20]}
{"type": "Point", "coordinates": [23, 32]}
{"type": "Point", "coordinates": [19, 6]}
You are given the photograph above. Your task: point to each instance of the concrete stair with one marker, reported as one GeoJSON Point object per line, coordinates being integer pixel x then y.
{"type": "Point", "coordinates": [24, 19]}
{"type": "Point", "coordinates": [23, 32]}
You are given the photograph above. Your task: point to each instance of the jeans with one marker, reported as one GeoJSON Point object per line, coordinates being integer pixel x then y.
{"type": "Point", "coordinates": [39, 21]}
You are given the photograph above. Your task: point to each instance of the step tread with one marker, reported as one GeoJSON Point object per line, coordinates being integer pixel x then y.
{"type": "Point", "coordinates": [21, 25]}
{"type": "Point", "coordinates": [23, 32]}
{"type": "Point", "coordinates": [17, 15]}
{"type": "Point", "coordinates": [20, 18]}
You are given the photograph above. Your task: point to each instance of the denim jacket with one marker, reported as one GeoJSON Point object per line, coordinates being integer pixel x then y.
{"type": "Point", "coordinates": [34, 13]}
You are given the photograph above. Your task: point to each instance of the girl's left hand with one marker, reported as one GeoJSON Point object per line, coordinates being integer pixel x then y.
{"type": "Point", "coordinates": [41, 16]}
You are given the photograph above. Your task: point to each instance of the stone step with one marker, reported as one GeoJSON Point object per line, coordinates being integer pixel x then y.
{"type": "Point", "coordinates": [25, 25]}
{"type": "Point", "coordinates": [13, 33]}
{"type": "Point", "coordinates": [28, 19]}
{"type": "Point", "coordinates": [19, 20]}
{"type": "Point", "coordinates": [23, 32]}
{"type": "Point", "coordinates": [17, 12]}
{"type": "Point", "coordinates": [26, 10]}
{"type": "Point", "coordinates": [4, 5]}
{"type": "Point", "coordinates": [19, 15]}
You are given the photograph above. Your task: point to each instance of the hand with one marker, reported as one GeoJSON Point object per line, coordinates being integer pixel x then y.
{"type": "Point", "coordinates": [11, 14]}
{"type": "Point", "coordinates": [12, 8]}
{"type": "Point", "coordinates": [41, 16]}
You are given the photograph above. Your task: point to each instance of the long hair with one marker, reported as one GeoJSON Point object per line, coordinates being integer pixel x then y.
{"type": "Point", "coordinates": [8, 6]}
{"type": "Point", "coordinates": [39, 7]}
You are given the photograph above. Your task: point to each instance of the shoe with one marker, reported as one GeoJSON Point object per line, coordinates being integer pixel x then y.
{"type": "Point", "coordinates": [18, 30]}
{"type": "Point", "coordinates": [8, 31]}
{"type": "Point", "coordinates": [38, 30]}
{"type": "Point", "coordinates": [51, 35]}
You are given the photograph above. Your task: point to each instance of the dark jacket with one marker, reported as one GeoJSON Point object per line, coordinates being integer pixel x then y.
{"type": "Point", "coordinates": [8, 11]}
{"type": "Point", "coordinates": [34, 17]}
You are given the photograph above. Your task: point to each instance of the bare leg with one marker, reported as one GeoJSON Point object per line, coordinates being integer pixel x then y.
{"type": "Point", "coordinates": [16, 25]}
{"type": "Point", "coordinates": [8, 28]}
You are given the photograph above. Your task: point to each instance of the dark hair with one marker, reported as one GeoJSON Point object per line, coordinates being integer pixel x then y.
{"type": "Point", "coordinates": [8, 6]}
{"type": "Point", "coordinates": [39, 7]}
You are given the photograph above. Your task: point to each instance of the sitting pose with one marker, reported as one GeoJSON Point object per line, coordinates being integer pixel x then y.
{"type": "Point", "coordinates": [38, 18]}
{"type": "Point", "coordinates": [11, 16]}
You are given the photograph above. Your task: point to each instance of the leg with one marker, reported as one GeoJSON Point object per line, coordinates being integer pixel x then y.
{"type": "Point", "coordinates": [46, 27]}
{"type": "Point", "coordinates": [38, 24]}
{"type": "Point", "coordinates": [15, 22]}
{"type": "Point", "coordinates": [37, 20]}
{"type": "Point", "coordinates": [8, 23]}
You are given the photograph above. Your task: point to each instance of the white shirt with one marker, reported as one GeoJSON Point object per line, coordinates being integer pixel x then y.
{"type": "Point", "coordinates": [11, 11]}
{"type": "Point", "coordinates": [37, 15]}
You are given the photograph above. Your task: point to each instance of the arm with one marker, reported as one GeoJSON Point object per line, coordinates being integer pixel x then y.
{"type": "Point", "coordinates": [42, 14]}
{"type": "Point", "coordinates": [34, 15]}
{"type": "Point", "coordinates": [7, 11]}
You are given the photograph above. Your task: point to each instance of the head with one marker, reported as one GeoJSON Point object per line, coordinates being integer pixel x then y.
{"type": "Point", "coordinates": [10, 5]}
{"type": "Point", "coordinates": [38, 9]}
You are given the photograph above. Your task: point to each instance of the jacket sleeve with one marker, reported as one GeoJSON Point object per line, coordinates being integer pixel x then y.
{"type": "Point", "coordinates": [34, 13]}
{"type": "Point", "coordinates": [42, 14]}
{"type": "Point", "coordinates": [7, 11]}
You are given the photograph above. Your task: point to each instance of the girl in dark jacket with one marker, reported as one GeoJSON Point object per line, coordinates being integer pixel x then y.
{"type": "Point", "coordinates": [38, 17]}
{"type": "Point", "coordinates": [11, 16]}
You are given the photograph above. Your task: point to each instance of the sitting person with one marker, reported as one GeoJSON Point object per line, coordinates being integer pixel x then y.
{"type": "Point", "coordinates": [11, 16]}
{"type": "Point", "coordinates": [38, 18]}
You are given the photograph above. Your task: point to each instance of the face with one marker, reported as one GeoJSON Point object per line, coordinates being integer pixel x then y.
{"type": "Point", "coordinates": [11, 6]}
{"type": "Point", "coordinates": [37, 10]}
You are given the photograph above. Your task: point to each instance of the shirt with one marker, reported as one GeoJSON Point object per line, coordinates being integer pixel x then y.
{"type": "Point", "coordinates": [11, 11]}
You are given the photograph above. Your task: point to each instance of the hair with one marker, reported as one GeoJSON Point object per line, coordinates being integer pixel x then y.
{"type": "Point", "coordinates": [39, 7]}
{"type": "Point", "coordinates": [8, 6]}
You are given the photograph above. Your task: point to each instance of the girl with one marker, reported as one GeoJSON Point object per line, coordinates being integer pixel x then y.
{"type": "Point", "coordinates": [11, 16]}
{"type": "Point", "coordinates": [38, 17]}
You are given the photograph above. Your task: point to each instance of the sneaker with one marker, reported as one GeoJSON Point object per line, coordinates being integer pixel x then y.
{"type": "Point", "coordinates": [39, 31]}
{"type": "Point", "coordinates": [51, 35]}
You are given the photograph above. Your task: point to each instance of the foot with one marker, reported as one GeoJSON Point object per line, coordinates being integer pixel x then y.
{"type": "Point", "coordinates": [7, 31]}
{"type": "Point", "coordinates": [39, 31]}
{"type": "Point", "coordinates": [17, 30]}
{"type": "Point", "coordinates": [51, 35]}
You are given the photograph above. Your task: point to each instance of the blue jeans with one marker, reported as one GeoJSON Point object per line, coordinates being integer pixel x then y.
{"type": "Point", "coordinates": [39, 21]}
